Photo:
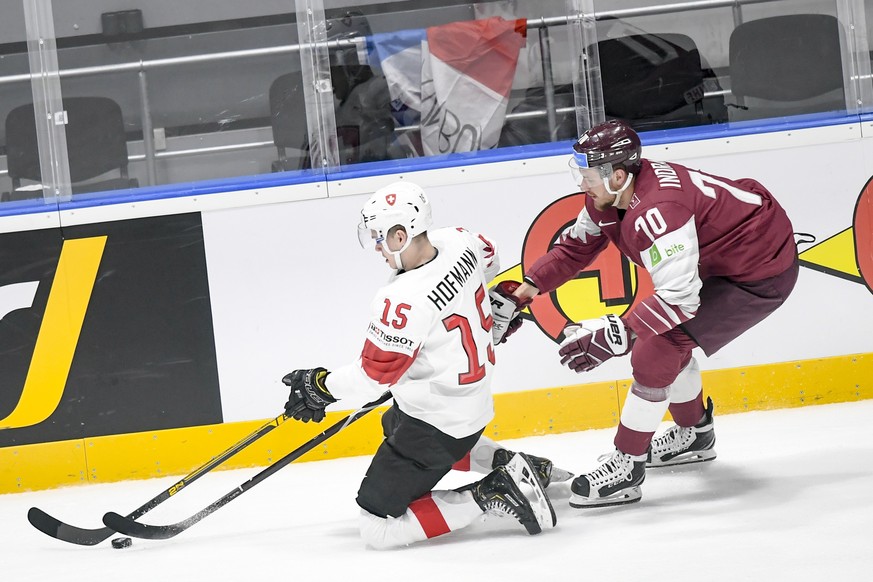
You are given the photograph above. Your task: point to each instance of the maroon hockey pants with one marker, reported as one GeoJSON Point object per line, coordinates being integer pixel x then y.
{"type": "Point", "coordinates": [727, 309]}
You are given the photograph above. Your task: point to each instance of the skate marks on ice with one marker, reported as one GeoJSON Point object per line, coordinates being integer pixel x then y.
{"type": "Point", "coordinates": [788, 494]}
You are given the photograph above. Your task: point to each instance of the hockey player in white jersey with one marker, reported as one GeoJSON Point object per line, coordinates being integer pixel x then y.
{"type": "Point", "coordinates": [430, 341]}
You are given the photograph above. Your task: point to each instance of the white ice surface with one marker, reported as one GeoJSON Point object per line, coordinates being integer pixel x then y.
{"type": "Point", "coordinates": [790, 497]}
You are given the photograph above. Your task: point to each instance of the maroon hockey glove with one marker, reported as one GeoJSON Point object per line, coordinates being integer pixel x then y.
{"type": "Point", "coordinates": [593, 341]}
{"type": "Point", "coordinates": [506, 310]}
{"type": "Point", "coordinates": [309, 394]}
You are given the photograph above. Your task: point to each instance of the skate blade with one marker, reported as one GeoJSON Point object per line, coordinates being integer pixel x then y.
{"type": "Point", "coordinates": [559, 475]}
{"type": "Point", "coordinates": [685, 459]}
{"type": "Point", "coordinates": [624, 497]}
{"type": "Point", "coordinates": [522, 472]}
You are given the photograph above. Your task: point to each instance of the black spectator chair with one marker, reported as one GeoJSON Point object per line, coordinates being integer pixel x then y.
{"type": "Point", "coordinates": [656, 81]}
{"type": "Point", "coordinates": [652, 81]}
{"type": "Point", "coordinates": [362, 106]}
{"type": "Point", "coordinates": [288, 120]}
{"type": "Point", "coordinates": [96, 146]}
{"type": "Point", "coordinates": [364, 123]}
{"type": "Point", "coordinates": [529, 130]}
{"type": "Point", "coordinates": [786, 65]}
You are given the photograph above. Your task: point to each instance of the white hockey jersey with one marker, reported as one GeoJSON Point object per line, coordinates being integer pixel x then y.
{"type": "Point", "coordinates": [429, 338]}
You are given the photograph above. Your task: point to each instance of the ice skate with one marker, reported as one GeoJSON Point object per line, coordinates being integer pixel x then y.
{"type": "Point", "coordinates": [616, 482]}
{"type": "Point", "coordinates": [683, 445]}
{"type": "Point", "coordinates": [546, 472]}
{"type": "Point", "coordinates": [502, 492]}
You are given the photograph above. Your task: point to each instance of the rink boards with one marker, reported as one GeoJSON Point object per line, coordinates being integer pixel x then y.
{"type": "Point", "coordinates": [142, 337]}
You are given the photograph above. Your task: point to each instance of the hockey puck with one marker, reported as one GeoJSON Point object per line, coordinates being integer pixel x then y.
{"type": "Point", "coordinates": [119, 543]}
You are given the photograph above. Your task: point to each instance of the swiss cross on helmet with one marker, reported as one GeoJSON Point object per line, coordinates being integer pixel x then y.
{"type": "Point", "coordinates": [399, 204]}
{"type": "Point", "coordinates": [614, 143]}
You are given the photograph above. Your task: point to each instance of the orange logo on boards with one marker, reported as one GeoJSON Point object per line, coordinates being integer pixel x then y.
{"type": "Point", "coordinates": [611, 284]}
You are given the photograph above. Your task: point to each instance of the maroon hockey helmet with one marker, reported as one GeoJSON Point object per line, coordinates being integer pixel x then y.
{"type": "Point", "coordinates": [612, 142]}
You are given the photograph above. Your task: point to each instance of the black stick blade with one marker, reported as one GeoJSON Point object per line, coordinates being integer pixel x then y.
{"type": "Point", "coordinates": [129, 527]}
{"type": "Point", "coordinates": [59, 530]}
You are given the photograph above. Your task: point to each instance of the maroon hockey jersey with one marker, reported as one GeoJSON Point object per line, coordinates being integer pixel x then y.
{"type": "Point", "coordinates": [682, 226]}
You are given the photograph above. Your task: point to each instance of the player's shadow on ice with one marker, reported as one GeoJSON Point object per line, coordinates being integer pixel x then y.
{"type": "Point", "coordinates": [724, 485]}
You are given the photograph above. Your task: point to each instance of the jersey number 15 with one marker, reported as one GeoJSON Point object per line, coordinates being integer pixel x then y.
{"type": "Point", "coordinates": [475, 370]}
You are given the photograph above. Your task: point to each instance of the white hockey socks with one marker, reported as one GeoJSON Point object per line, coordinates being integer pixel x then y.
{"type": "Point", "coordinates": [480, 458]}
{"type": "Point", "coordinates": [432, 515]}
{"type": "Point", "coordinates": [686, 396]}
{"type": "Point", "coordinates": [639, 420]}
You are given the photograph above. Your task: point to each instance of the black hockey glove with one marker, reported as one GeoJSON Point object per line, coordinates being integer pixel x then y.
{"type": "Point", "coordinates": [309, 395]}
{"type": "Point", "coordinates": [506, 310]}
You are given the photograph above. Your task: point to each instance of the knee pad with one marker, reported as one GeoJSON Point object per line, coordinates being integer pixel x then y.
{"type": "Point", "coordinates": [650, 394]}
{"type": "Point", "coordinates": [688, 384]}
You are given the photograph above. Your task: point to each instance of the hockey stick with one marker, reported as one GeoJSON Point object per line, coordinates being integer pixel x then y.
{"type": "Point", "coordinates": [127, 525]}
{"type": "Point", "coordinates": [88, 537]}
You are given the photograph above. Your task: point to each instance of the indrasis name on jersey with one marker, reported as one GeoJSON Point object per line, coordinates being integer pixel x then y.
{"type": "Point", "coordinates": [452, 282]}
{"type": "Point", "coordinates": [388, 339]}
{"type": "Point", "coordinates": [667, 177]}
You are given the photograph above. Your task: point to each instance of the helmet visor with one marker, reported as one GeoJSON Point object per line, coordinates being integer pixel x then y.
{"type": "Point", "coordinates": [368, 237]}
{"type": "Point", "coordinates": [586, 177]}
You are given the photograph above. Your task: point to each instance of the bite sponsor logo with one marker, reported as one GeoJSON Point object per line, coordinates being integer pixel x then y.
{"type": "Point", "coordinates": [674, 249]}
{"type": "Point", "coordinates": [654, 255]}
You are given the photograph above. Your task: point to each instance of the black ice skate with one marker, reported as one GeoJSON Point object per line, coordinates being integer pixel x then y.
{"type": "Point", "coordinates": [616, 482]}
{"type": "Point", "coordinates": [546, 472]}
{"type": "Point", "coordinates": [501, 492]}
{"type": "Point", "coordinates": [683, 445]}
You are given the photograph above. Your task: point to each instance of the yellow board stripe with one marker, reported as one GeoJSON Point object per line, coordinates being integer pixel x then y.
{"type": "Point", "coordinates": [518, 414]}
{"type": "Point", "coordinates": [59, 332]}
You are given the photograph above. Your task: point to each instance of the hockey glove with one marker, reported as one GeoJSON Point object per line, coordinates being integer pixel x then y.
{"type": "Point", "coordinates": [506, 310]}
{"type": "Point", "coordinates": [309, 394]}
{"type": "Point", "coordinates": [593, 341]}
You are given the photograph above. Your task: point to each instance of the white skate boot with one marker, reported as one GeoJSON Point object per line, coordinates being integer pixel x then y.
{"type": "Point", "coordinates": [616, 482]}
{"type": "Point", "coordinates": [682, 445]}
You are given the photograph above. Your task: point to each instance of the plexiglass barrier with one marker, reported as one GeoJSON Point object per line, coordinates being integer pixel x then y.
{"type": "Point", "coordinates": [99, 100]}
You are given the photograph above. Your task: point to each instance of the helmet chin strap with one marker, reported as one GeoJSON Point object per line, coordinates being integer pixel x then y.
{"type": "Point", "coordinates": [397, 261]}
{"type": "Point", "coordinates": [396, 254]}
{"type": "Point", "coordinates": [620, 191]}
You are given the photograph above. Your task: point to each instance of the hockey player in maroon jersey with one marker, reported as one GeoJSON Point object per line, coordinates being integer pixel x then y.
{"type": "Point", "coordinates": [430, 341]}
{"type": "Point", "coordinates": [722, 257]}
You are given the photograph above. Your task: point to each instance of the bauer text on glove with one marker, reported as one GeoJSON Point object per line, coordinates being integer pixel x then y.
{"type": "Point", "coordinates": [593, 341]}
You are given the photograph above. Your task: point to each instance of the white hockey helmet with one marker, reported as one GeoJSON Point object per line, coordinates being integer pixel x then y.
{"type": "Point", "coordinates": [399, 204]}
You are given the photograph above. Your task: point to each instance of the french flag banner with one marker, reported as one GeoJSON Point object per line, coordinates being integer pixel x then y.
{"type": "Point", "coordinates": [457, 76]}
{"type": "Point", "coordinates": [398, 54]}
